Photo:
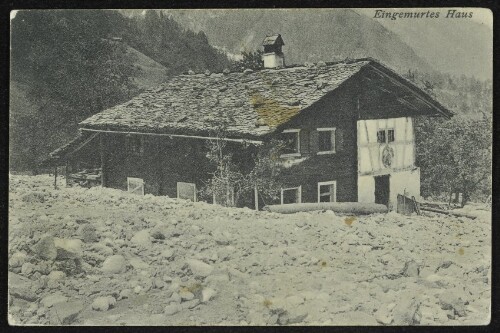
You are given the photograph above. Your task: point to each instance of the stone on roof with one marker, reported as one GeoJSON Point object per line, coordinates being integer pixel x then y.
{"type": "Point", "coordinates": [266, 97]}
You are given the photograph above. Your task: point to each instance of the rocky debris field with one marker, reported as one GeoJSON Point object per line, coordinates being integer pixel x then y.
{"type": "Point", "coordinates": [106, 257]}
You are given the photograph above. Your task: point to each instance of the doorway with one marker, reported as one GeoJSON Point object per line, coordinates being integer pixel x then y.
{"type": "Point", "coordinates": [382, 190]}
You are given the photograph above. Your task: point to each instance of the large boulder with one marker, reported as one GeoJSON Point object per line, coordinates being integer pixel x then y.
{"type": "Point", "coordinates": [65, 313]}
{"type": "Point", "coordinates": [21, 287]}
{"type": "Point", "coordinates": [45, 248]}
{"type": "Point", "coordinates": [68, 248]}
{"type": "Point", "coordinates": [114, 264]}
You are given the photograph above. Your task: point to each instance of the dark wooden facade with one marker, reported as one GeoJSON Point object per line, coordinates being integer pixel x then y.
{"type": "Point", "coordinates": [162, 161]}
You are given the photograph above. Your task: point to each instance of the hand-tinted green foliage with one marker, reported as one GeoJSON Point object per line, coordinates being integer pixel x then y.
{"type": "Point", "coordinates": [251, 60]}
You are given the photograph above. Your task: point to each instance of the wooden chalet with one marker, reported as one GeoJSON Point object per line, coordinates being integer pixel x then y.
{"type": "Point", "coordinates": [349, 128]}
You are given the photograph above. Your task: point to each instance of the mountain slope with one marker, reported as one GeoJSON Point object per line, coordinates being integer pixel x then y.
{"type": "Point", "coordinates": [309, 35]}
{"type": "Point", "coordinates": [69, 64]}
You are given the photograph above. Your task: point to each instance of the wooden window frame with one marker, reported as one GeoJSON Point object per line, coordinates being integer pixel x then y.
{"type": "Point", "coordinates": [393, 135]}
{"type": "Point", "coordinates": [386, 135]}
{"type": "Point", "coordinates": [134, 178]}
{"type": "Point", "coordinates": [332, 131]}
{"type": "Point", "coordinates": [297, 154]}
{"type": "Point", "coordinates": [332, 182]}
{"type": "Point", "coordinates": [299, 195]}
{"type": "Point", "coordinates": [194, 185]}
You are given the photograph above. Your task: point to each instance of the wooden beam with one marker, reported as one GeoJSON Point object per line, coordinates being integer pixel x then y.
{"type": "Point", "coordinates": [255, 142]}
{"type": "Point", "coordinates": [102, 150]}
{"type": "Point", "coordinates": [417, 92]}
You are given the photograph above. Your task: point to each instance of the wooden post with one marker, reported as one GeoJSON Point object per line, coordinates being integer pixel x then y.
{"type": "Point", "coordinates": [256, 196]}
{"type": "Point", "coordinates": [55, 177]}
{"type": "Point", "coordinates": [103, 158]}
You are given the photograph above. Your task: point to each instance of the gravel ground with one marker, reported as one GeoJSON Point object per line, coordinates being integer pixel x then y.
{"type": "Point", "coordinates": [106, 257]}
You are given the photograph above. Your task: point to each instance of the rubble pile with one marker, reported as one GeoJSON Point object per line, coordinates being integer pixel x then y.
{"type": "Point", "coordinates": [100, 256]}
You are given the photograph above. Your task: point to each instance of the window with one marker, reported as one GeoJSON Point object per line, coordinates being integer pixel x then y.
{"type": "Point", "coordinates": [291, 137]}
{"type": "Point", "coordinates": [326, 141]}
{"type": "Point", "coordinates": [381, 136]}
{"type": "Point", "coordinates": [327, 191]}
{"type": "Point", "coordinates": [135, 185]}
{"type": "Point", "coordinates": [186, 191]}
{"type": "Point", "coordinates": [385, 136]}
{"type": "Point", "coordinates": [390, 135]}
{"type": "Point", "coordinates": [135, 144]}
{"type": "Point", "coordinates": [291, 195]}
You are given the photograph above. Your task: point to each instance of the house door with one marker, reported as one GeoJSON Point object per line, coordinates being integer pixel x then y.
{"type": "Point", "coordinates": [382, 190]}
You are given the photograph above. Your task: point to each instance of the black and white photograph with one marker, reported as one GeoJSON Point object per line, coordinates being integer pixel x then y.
{"type": "Point", "coordinates": [250, 167]}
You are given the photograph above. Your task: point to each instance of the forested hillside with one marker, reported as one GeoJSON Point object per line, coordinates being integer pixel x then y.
{"type": "Point", "coordinates": [69, 64]}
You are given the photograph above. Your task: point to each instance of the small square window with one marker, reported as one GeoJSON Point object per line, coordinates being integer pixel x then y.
{"type": "Point", "coordinates": [390, 135]}
{"type": "Point", "coordinates": [381, 136]}
{"type": "Point", "coordinates": [327, 192]}
{"type": "Point", "coordinates": [291, 195]}
{"type": "Point", "coordinates": [291, 139]}
{"type": "Point", "coordinates": [326, 140]}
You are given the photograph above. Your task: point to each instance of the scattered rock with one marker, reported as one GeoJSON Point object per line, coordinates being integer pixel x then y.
{"type": "Point", "coordinates": [199, 268]}
{"type": "Point", "coordinates": [46, 248]}
{"type": "Point", "coordinates": [21, 287]}
{"type": "Point", "coordinates": [186, 295]}
{"type": "Point", "coordinates": [406, 311]}
{"type": "Point", "coordinates": [207, 294]}
{"type": "Point", "coordinates": [114, 264]}
{"type": "Point", "coordinates": [56, 275]}
{"type": "Point", "coordinates": [49, 301]}
{"type": "Point", "coordinates": [68, 248]}
{"type": "Point", "coordinates": [172, 308]}
{"type": "Point", "coordinates": [88, 233]}
{"type": "Point", "coordinates": [103, 303]}
{"type": "Point", "coordinates": [449, 300]}
{"type": "Point", "coordinates": [142, 238]}
{"type": "Point", "coordinates": [411, 269]}
{"type": "Point", "coordinates": [65, 313]}
{"type": "Point", "coordinates": [138, 264]}
{"type": "Point", "coordinates": [17, 259]}
{"type": "Point", "coordinates": [27, 268]}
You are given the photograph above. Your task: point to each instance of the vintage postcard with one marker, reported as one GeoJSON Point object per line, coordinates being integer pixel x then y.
{"type": "Point", "coordinates": [250, 167]}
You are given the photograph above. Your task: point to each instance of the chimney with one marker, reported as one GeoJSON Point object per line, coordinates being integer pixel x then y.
{"type": "Point", "coordinates": [273, 56]}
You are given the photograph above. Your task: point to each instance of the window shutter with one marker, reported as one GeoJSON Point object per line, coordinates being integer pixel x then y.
{"type": "Point", "coordinates": [304, 142]}
{"type": "Point", "coordinates": [313, 142]}
{"type": "Point", "coordinates": [339, 139]}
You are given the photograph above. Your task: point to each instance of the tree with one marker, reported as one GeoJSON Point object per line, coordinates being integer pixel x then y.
{"type": "Point", "coordinates": [229, 181]}
{"type": "Point", "coordinates": [251, 60]}
{"type": "Point", "coordinates": [455, 155]}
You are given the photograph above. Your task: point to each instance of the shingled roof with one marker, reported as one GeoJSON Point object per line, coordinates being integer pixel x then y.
{"type": "Point", "coordinates": [251, 103]}
{"type": "Point", "coordinates": [272, 40]}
